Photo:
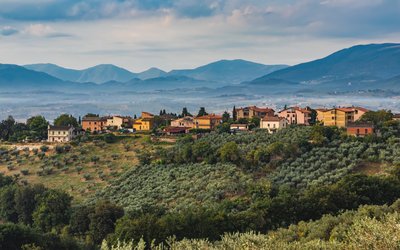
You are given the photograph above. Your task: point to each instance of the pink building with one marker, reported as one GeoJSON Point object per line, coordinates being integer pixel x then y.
{"type": "Point", "coordinates": [296, 115]}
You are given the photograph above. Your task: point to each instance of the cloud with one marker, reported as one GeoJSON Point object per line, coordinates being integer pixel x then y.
{"type": "Point", "coordinates": [8, 31]}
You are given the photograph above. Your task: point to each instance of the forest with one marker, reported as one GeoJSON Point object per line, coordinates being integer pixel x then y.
{"type": "Point", "coordinates": [303, 187]}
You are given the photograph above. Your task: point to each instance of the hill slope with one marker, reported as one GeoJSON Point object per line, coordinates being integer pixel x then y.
{"type": "Point", "coordinates": [97, 74]}
{"type": "Point", "coordinates": [228, 71]}
{"type": "Point", "coordinates": [14, 76]}
{"type": "Point", "coordinates": [366, 61]}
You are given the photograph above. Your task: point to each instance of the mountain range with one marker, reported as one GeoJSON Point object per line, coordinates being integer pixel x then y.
{"type": "Point", "coordinates": [227, 71]}
{"type": "Point", "coordinates": [373, 66]}
{"type": "Point", "coordinates": [361, 64]}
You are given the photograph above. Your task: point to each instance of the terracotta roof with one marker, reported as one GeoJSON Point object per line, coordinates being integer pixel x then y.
{"type": "Point", "coordinates": [175, 129]}
{"type": "Point", "coordinates": [396, 116]}
{"type": "Point", "coordinates": [239, 125]}
{"type": "Point", "coordinates": [362, 109]}
{"type": "Point", "coordinates": [58, 128]}
{"type": "Point", "coordinates": [255, 108]}
{"type": "Point", "coordinates": [360, 125]}
{"type": "Point", "coordinates": [273, 118]}
{"type": "Point", "coordinates": [346, 109]}
{"type": "Point", "coordinates": [147, 114]}
{"type": "Point", "coordinates": [303, 110]}
{"type": "Point", "coordinates": [211, 116]}
{"type": "Point", "coordinates": [94, 118]}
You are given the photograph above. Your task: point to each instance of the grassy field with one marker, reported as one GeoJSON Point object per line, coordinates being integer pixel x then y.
{"type": "Point", "coordinates": [79, 169]}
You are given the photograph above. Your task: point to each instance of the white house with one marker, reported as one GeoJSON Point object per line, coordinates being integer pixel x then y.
{"type": "Point", "coordinates": [60, 133]}
{"type": "Point", "coordinates": [273, 123]}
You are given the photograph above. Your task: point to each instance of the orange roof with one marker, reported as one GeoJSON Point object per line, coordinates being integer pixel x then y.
{"type": "Point", "coordinates": [273, 118]}
{"type": "Point", "coordinates": [362, 109]}
{"type": "Point", "coordinates": [211, 116]}
{"type": "Point", "coordinates": [302, 110]}
{"type": "Point", "coordinates": [255, 108]}
{"type": "Point", "coordinates": [345, 109]}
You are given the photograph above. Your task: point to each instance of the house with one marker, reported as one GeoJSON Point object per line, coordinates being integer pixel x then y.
{"type": "Point", "coordinates": [296, 115]}
{"type": "Point", "coordinates": [339, 117]}
{"type": "Point", "coordinates": [396, 117]}
{"type": "Point", "coordinates": [207, 121]}
{"type": "Point", "coordinates": [176, 130]}
{"type": "Point", "coordinates": [186, 121]}
{"type": "Point", "coordinates": [118, 122]}
{"type": "Point", "coordinates": [60, 133]}
{"type": "Point", "coordinates": [253, 111]}
{"type": "Point", "coordinates": [273, 123]}
{"type": "Point", "coordinates": [94, 124]}
{"type": "Point", "coordinates": [360, 129]}
{"type": "Point", "coordinates": [144, 123]}
{"type": "Point", "coordinates": [358, 112]}
{"type": "Point", "coordinates": [239, 127]}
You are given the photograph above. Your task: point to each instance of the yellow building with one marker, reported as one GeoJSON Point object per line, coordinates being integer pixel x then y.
{"type": "Point", "coordinates": [339, 117]}
{"type": "Point", "coordinates": [144, 123]}
{"type": "Point", "coordinates": [207, 121]}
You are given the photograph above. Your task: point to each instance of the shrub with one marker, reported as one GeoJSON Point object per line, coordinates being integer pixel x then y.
{"type": "Point", "coordinates": [87, 176]}
{"type": "Point", "coordinates": [44, 148]}
{"type": "Point", "coordinates": [24, 171]}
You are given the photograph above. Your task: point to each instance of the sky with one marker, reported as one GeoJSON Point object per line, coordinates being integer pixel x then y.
{"type": "Point", "coordinates": [176, 34]}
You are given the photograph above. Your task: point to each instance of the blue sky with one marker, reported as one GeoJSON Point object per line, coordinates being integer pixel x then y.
{"type": "Point", "coordinates": [138, 34]}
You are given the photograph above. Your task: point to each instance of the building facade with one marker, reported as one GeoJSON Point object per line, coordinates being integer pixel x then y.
{"type": "Point", "coordinates": [273, 123]}
{"type": "Point", "coordinates": [253, 111]}
{"type": "Point", "coordinates": [207, 122]}
{"type": "Point", "coordinates": [94, 124]}
{"type": "Point", "coordinates": [144, 123]}
{"type": "Point", "coordinates": [118, 122]}
{"type": "Point", "coordinates": [296, 115]}
{"type": "Point", "coordinates": [187, 122]}
{"type": "Point", "coordinates": [60, 133]}
{"type": "Point", "coordinates": [360, 130]}
{"type": "Point", "coordinates": [339, 117]}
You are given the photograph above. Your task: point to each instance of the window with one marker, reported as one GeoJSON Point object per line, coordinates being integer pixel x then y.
{"type": "Point", "coordinates": [366, 131]}
{"type": "Point", "coordinates": [358, 131]}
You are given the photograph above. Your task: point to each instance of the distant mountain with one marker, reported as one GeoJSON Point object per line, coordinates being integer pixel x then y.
{"type": "Point", "coordinates": [97, 74]}
{"type": "Point", "coordinates": [228, 71]}
{"type": "Point", "coordinates": [160, 83]}
{"type": "Point", "coordinates": [17, 77]}
{"type": "Point", "coordinates": [151, 73]}
{"type": "Point", "coordinates": [374, 61]}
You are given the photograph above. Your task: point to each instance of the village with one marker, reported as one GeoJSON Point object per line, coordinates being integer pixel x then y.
{"type": "Point", "coordinates": [242, 120]}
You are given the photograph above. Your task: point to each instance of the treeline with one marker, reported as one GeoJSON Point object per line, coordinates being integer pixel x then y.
{"type": "Point", "coordinates": [35, 128]}
{"type": "Point", "coordinates": [370, 227]}
{"type": "Point", "coordinates": [265, 209]}
{"type": "Point", "coordinates": [34, 216]}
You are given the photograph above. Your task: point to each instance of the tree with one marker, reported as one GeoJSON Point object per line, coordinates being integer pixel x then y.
{"type": "Point", "coordinates": [202, 112]}
{"type": "Point", "coordinates": [185, 112]}
{"type": "Point", "coordinates": [225, 116]}
{"type": "Point", "coordinates": [80, 221]}
{"type": "Point", "coordinates": [91, 115]}
{"type": "Point", "coordinates": [26, 202]}
{"type": "Point", "coordinates": [377, 117]}
{"type": "Point", "coordinates": [53, 211]}
{"type": "Point", "coordinates": [102, 220]}
{"type": "Point", "coordinates": [6, 128]}
{"type": "Point", "coordinates": [38, 127]}
{"type": "Point", "coordinates": [234, 113]}
{"type": "Point", "coordinates": [229, 152]}
{"type": "Point", "coordinates": [7, 204]}
{"type": "Point", "coordinates": [66, 120]}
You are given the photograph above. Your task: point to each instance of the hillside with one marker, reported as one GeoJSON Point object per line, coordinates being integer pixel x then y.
{"type": "Point", "coordinates": [151, 73]}
{"type": "Point", "coordinates": [228, 71]}
{"type": "Point", "coordinates": [14, 77]}
{"type": "Point", "coordinates": [97, 74]}
{"type": "Point", "coordinates": [373, 61]}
